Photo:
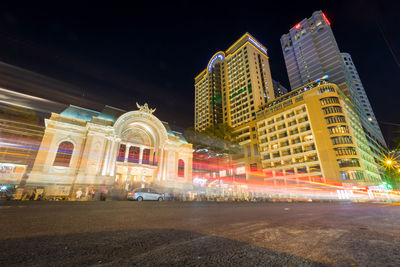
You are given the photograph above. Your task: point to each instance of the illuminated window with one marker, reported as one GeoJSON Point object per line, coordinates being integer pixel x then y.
{"type": "Point", "coordinates": [339, 140]}
{"type": "Point", "coordinates": [181, 168]}
{"type": "Point", "coordinates": [133, 155]}
{"type": "Point", "coordinates": [146, 156]}
{"type": "Point", "coordinates": [121, 153]}
{"type": "Point", "coordinates": [64, 154]}
{"type": "Point", "coordinates": [343, 163]}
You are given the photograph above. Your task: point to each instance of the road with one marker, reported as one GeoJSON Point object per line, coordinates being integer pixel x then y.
{"type": "Point", "coordinates": [198, 234]}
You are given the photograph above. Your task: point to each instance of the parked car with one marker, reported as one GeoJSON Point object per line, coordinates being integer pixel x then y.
{"type": "Point", "coordinates": [141, 194]}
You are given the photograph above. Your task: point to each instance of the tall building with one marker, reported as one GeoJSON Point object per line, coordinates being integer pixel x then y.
{"type": "Point", "coordinates": [373, 132]}
{"type": "Point", "coordinates": [235, 84]}
{"type": "Point", "coordinates": [309, 134]}
{"type": "Point", "coordinates": [279, 89]}
{"type": "Point", "coordinates": [310, 51]}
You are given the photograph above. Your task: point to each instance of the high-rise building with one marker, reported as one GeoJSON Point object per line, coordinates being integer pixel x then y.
{"type": "Point", "coordinates": [279, 89]}
{"type": "Point", "coordinates": [235, 84]}
{"type": "Point", "coordinates": [309, 134]}
{"type": "Point", "coordinates": [310, 51]}
{"type": "Point", "coordinates": [373, 131]}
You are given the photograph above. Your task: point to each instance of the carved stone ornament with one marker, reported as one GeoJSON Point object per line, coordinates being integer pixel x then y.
{"type": "Point", "coordinates": [145, 108]}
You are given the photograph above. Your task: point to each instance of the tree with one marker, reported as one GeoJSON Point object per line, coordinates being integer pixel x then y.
{"type": "Point", "coordinates": [220, 138]}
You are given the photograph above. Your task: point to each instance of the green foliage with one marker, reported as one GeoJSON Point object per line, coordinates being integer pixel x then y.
{"type": "Point", "coordinates": [392, 177]}
{"type": "Point", "coordinates": [220, 138]}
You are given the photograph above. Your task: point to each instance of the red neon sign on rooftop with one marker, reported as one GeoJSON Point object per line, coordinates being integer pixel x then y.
{"type": "Point", "coordinates": [297, 26]}
{"type": "Point", "coordinates": [326, 19]}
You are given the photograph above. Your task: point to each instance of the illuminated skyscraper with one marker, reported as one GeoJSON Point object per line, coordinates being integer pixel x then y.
{"type": "Point", "coordinates": [279, 89]}
{"type": "Point", "coordinates": [235, 84]}
{"type": "Point", "coordinates": [310, 51]}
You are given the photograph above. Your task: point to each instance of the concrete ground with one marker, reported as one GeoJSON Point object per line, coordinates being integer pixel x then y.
{"type": "Point", "coordinates": [198, 234]}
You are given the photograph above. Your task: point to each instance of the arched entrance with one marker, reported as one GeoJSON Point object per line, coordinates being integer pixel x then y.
{"type": "Point", "coordinates": [139, 156]}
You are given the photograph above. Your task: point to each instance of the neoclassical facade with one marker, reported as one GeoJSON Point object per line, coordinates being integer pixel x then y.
{"type": "Point", "coordinates": [83, 147]}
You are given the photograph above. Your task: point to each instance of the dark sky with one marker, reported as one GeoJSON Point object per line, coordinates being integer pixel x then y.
{"type": "Point", "coordinates": [151, 52]}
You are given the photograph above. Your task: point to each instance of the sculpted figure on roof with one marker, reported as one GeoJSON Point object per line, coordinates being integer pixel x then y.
{"type": "Point", "coordinates": [145, 108]}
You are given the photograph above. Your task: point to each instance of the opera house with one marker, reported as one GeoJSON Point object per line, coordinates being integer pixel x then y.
{"type": "Point", "coordinates": [89, 149]}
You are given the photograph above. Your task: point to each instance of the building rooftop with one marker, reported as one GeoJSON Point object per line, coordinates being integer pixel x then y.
{"type": "Point", "coordinates": [108, 113]}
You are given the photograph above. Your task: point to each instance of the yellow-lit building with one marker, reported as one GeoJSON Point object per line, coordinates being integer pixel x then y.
{"type": "Point", "coordinates": [311, 134]}
{"type": "Point", "coordinates": [234, 85]}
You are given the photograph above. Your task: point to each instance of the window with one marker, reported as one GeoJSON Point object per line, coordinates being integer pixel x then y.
{"type": "Point", "coordinates": [283, 144]}
{"type": "Point", "coordinates": [352, 175]}
{"type": "Point", "coordinates": [302, 170]}
{"type": "Point", "coordinates": [295, 141]}
{"type": "Point", "coordinates": [303, 119]}
{"type": "Point", "coordinates": [253, 167]}
{"type": "Point", "coordinates": [329, 100]}
{"type": "Point", "coordinates": [146, 156]}
{"type": "Point", "coordinates": [272, 138]}
{"type": "Point", "coordinates": [294, 131]}
{"type": "Point", "coordinates": [297, 150]}
{"type": "Point", "coordinates": [345, 151]}
{"type": "Point", "coordinates": [335, 119]}
{"type": "Point", "coordinates": [121, 153]}
{"type": "Point", "coordinates": [133, 154]}
{"type": "Point", "coordinates": [284, 134]}
{"type": "Point", "coordinates": [286, 152]}
{"type": "Point", "coordinates": [64, 154]}
{"type": "Point", "coordinates": [332, 109]}
{"type": "Point", "coordinates": [326, 90]}
{"type": "Point", "coordinates": [343, 163]}
{"type": "Point", "coordinates": [181, 168]}
{"type": "Point", "coordinates": [338, 129]}
{"type": "Point", "coordinates": [305, 128]}
{"type": "Point", "coordinates": [339, 140]}
{"type": "Point", "coordinates": [315, 168]}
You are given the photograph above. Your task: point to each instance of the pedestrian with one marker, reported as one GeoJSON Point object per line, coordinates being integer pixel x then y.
{"type": "Point", "coordinates": [25, 194]}
{"type": "Point", "coordinates": [103, 194]}
{"type": "Point", "coordinates": [32, 197]}
{"type": "Point", "coordinates": [92, 193]}
{"type": "Point", "coordinates": [79, 194]}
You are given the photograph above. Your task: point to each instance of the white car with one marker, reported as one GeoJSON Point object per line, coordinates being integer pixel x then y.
{"type": "Point", "coordinates": [141, 194]}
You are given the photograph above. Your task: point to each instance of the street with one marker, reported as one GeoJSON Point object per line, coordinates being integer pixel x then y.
{"type": "Point", "coordinates": [198, 234]}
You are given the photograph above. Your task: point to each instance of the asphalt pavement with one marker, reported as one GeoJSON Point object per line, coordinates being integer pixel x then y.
{"type": "Point", "coordinates": [126, 233]}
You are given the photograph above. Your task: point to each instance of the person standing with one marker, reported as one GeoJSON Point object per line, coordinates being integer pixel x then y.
{"type": "Point", "coordinates": [79, 194]}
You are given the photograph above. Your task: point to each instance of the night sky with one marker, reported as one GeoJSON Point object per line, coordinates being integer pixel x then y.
{"type": "Point", "coordinates": [151, 52]}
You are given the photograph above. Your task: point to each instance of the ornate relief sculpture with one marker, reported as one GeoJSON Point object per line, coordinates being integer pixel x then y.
{"type": "Point", "coordinates": [145, 108]}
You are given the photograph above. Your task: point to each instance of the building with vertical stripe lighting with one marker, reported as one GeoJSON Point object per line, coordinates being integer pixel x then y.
{"type": "Point", "coordinates": [234, 85]}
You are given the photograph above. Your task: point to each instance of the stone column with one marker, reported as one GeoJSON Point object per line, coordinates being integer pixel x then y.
{"type": "Point", "coordinates": [127, 147]}
{"type": "Point", "coordinates": [165, 164]}
{"type": "Point", "coordinates": [106, 156]}
{"type": "Point", "coordinates": [141, 155]}
{"type": "Point", "coordinates": [160, 164]}
{"type": "Point", "coordinates": [114, 155]}
{"type": "Point", "coordinates": [110, 154]}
